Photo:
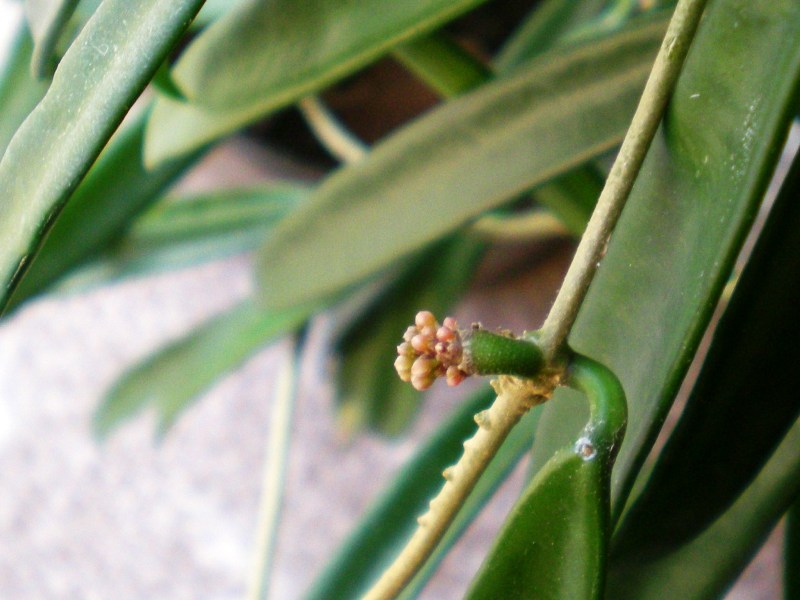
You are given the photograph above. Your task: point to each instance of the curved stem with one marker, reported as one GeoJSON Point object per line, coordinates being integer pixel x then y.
{"type": "Point", "coordinates": [607, 405]}
{"type": "Point", "coordinates": [342, 144]}
{"type": "Point", "coordinates": [620, 181]}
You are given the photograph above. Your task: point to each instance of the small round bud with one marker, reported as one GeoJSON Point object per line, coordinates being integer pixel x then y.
{"type": "Point", "coordinates": [422, 344]}
{"type": "Point", "coordinates": [424, 319]}
{"type": "Point", "coordinates": [402, 365]}
{"type": "Point", "coordinates": [455, 376]}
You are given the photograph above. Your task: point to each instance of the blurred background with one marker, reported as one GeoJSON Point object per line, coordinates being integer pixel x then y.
{"type": "Point", "coordinates": [135, 517]}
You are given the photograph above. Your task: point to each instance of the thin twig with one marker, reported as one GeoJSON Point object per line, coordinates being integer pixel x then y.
{"type": "Point", "coordinates": [274, 474]}
{"type": "Point", "coordinates": [620, 181]}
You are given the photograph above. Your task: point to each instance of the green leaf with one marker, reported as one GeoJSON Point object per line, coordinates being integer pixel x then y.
{"type": "Point", "coordinates": [392, 519]}
{"type": "Point", "coordinates": [102, 73]}
{"type": "Point", "coordinates": [554, 543]}
{"type": "Point", "coordinates": [675, 244]}
{"type": "Point", "coordinates": [705, 568]}
{"type": "Point", "coordinates": [547, 23]}
{"type": "Point", "coordinates": [19, 92]}
{"type": "Point", "coordinates": [266, 55]}
{"type": "Point", "coordinates": [369, 389]}
{"type": "Point", "coordinates": [47, 20]}
{"type": "Point", "coordinates": [470, 155]}
{"type": "Point", "coordinates": [791, 553]}
{"type": "Point", "coordinates": [173, 377]}
{"type": "Point", "coordinates": [722, 439]}
{"type": "Point", "coordinates": [116, 189]}
{"type": "Point", "coordinates": [183, 231]}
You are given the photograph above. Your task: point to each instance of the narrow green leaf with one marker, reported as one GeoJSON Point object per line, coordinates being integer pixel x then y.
{"type": "Point", "coordinates": [173, 377]}
{"type": "Point", "coordinates": [392, 519]}
{"type": "Point", "coordinates": [791, 553]}
{"type": "Point", "coordinates": [754, 354]}
{"type": "Point", "coordinates": [706, 567]}
{"type": "Point", "coordinates": [47, 20]}
{"type": "Point", "coordinates": [369, 389]}
{"type": "Point", "coordinates": [266, 55]}
{"type": "Point", "coordinates": [116, 189]}
{"type": "Point", "coordinates": [102, 73]}
{"type": "Point", "coordinates": [472, 154]}
{"type": "Point", "coordinates": [184, 231]}
{"type": "Point", "coordinates": [548, 22]}
{"type": "Point", "coordinates": [675, 244]}
{"type": "Point", "coordinates": [19, 92]}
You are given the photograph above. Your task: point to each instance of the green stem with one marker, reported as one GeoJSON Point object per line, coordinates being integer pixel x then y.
{"type": "Point", "coordinates": [607, 405]}
{"type": "Point", "coordinates": [274, 473]}
{"type": "Point", "coordinates": [444, 65]}
{"type": "Point", "coordinates": [342, 144]}
{"type": "Point", "coordinates": [494, 354]}
{"type": "Point", "coordinates": [534, 225]}
{"type": "Point", "coordinates": [620, 181]}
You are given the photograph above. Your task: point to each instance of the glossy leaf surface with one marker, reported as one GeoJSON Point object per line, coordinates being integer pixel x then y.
{"type": "Point", "coordinates": [704, 568]}
{"type": "Point", "coordinates": [470, 155]}
{"type": "Point", "coordinates": [114, 192]}
{"type": "Point", "coordinates": [265, 55]}
{"type": "Point", "coordinates": [692, 204]}
{"type": "Point", "coordinates": [745, 398]}
{"type": "Point", "coordinates": [102, 73]}
{"type": "Point", "coordinates": [364, 557]}
{"type": "Point", "coordinates": [173, 377]}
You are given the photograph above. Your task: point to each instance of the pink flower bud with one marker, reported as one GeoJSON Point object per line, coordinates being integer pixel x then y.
{"type": "Point", "coordinates": [455, 376]}
{"type": "Point", "coordinates": [424, 319]}
{"type": "Point", "coordinates": [422, 344]}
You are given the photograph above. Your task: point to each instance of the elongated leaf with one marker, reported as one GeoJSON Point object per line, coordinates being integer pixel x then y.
{"type": "Point", "coordinates": [265, 55]}
{"type": "Point", "coordinates": [705, 568]}
{"type": "Point", "coordinates": [754, 354]}
{"type": "Point", "coordinates": [682, 228]}
{"type": "Point", "coordinates": [47, 19]}
{"type": "Point", "coordinates": [470, 155]}
{"type": "Point", "coordinates": [115, 190]}
{"type": "Point", "coordinates": [19, 92]}
{"type": "Point", "coordinates": [173, 377]}
{"type": "Point", "coordinates": [184, 231]}
{"type": "Point", "coordinates": [393, 518]}
{"type": "Point", "coordinates": [104, 70]}
{"type": "Point", "coordinates": [548, 22]}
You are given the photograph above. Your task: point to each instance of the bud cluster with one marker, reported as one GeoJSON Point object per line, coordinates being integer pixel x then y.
{"type": "Point", "coordinates": [431, 350]}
